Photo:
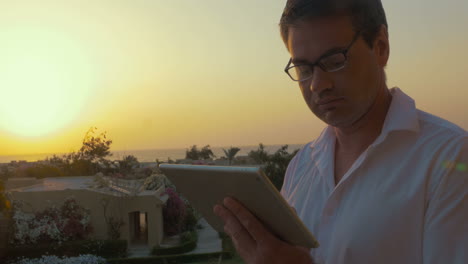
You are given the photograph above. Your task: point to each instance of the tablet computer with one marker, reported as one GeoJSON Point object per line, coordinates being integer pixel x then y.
{"type": "Point", "coordinates": [206, 186]}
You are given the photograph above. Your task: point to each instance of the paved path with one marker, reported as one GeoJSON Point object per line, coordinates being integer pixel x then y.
{"type": "Point", "coordinates": [138, 251]}
{"type": "Point", "coordinates": [208, 239]}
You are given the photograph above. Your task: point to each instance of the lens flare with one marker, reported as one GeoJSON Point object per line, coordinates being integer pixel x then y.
{"type": "Point", "coordinates": [450, 165]}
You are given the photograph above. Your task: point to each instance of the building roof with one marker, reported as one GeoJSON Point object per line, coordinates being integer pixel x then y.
{"type": "Point", "coordinates": [59, 184]}
{"type": "Point", "coordinates": [83, 183]}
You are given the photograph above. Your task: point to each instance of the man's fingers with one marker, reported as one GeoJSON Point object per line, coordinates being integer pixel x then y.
{"type": "Point", "coordinates": [253, 241]}
{"type": "Point", "coordinates": [254, 227]}
{"type": "Point", "coordinates": [234, 229]}
{"type": "Point", "coordinates": [307, 250]}
{"type": "Point", "coordinates": [294, 209]}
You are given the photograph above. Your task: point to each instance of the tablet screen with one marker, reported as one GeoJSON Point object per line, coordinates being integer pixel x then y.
{"type": "Point", "coordinates": [206, 186]}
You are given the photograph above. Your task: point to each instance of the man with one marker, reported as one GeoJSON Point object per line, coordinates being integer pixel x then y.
{"type": "Point", "coordinates": [384, 182]}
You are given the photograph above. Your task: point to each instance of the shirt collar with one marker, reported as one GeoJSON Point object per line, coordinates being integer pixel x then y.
{"type": "Point", "coordinates": [402, 115]}
{"type": "Point", "coordinates": [326, 136]}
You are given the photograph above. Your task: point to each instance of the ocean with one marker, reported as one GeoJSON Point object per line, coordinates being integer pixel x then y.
{"type": "Point", "coordinates": [150, 155]}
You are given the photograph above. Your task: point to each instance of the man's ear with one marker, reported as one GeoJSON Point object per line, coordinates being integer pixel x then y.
{"type": "Point", "coordinates": [382, 46]}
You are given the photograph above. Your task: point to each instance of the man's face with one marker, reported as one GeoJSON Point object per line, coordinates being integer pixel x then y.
{"type": "Point", "coordinates": [338, 98]}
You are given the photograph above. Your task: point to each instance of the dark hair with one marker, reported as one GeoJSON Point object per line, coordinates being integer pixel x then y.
{"type": "Point", "coordinates": [366, 15]}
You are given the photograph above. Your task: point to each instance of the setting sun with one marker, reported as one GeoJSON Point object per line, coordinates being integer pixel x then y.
{"type": "Point", "coordinates": [45, 82]}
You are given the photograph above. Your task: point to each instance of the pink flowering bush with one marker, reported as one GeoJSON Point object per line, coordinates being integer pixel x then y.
{"type": "Point", "coordinates": [173, 213]}
{"type": "Point", "coordinates": [77, 225]}
{"type": "Point", "coordinates": [69, 222]}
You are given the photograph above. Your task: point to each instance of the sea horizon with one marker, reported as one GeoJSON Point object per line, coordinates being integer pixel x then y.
{"type": "Point", "coordinates": [150, 155]}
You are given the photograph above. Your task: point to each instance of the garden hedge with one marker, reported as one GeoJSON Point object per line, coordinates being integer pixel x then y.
{"type": "Point", "coordinates": [172, 259]}
{"type": "Point", "coordinates": [102, 248]}
{"type": "Point", "coordinates": [189, 243]}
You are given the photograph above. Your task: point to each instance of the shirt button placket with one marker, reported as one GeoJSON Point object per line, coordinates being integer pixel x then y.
{"type": "Point", "coordinates": [326, 225]}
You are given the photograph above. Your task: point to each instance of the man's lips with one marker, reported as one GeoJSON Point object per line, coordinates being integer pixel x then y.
{"type": "Point", "coordinates": [329, 103]}
{"type": "Point", "coordinates": [329, 100]}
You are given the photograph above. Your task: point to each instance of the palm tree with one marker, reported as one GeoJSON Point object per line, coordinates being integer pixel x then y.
{"type": "Point", "coordinates": [231, 153]}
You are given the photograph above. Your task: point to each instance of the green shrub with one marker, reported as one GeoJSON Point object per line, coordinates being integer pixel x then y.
{"type": "Point", "coordinates": [185, 237]}
{"type": "Point", "coordinates": [173, 259]}
{"type": "Point", "coordinates": [41, 171]}
{"type": "Point", "coordinates": [190, 221]}
{"type": "Point", "coordinates": [108, 248]}
{"type": "Point", "coordinates": [189, 242]}
{"type": "Point", "coordinates": [227, 244]}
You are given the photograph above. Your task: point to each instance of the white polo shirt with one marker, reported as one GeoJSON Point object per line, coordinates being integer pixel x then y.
{"type": "Point", "coordinates": [404, 200]}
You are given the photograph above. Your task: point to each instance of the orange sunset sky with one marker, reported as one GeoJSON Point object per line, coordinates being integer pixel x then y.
{"type": "Point", "coordinates": [170, 74]}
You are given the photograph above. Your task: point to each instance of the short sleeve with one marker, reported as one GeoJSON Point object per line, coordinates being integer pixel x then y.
{"type": "Point", "coordinates": [445, 237]}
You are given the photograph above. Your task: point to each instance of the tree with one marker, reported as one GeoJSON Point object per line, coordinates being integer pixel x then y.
{"type": "Point", "coordinates": [76, 165]}
{"type": "Point", "coordinates": [274, 165]}
{"type": "Point", "coordinates": [55, 160]}
{"type": "Point", "coordinates": [128, 164]}
{"type": "Point", "coordinates": [94, 150]}
{"type": "Point", "coordinates": [90, 158]}
{"type": "Point", "coordinates": [277, 164]}
{"type": "Point", "coordinates": [206, 153]}
{"type": "Point", "coordinates": [260, 156]}
{"type": "Point", "coordinates": [230, 153]}
{"type": "Point", "coordinates": [194, 153]}
{"type": "Point", "coordinates": [94, 147]}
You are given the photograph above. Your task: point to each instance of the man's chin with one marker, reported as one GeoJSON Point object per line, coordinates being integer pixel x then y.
{"type": "Point", "coordinates": [335, 119]}
{"type": "Point", "coordinates": [337, 123]}
{"type": "Point", "coordinates": [341, 119]}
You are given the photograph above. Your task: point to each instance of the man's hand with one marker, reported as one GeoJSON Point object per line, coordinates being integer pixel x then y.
{"type": "Point", "coordinates": [254, 243]}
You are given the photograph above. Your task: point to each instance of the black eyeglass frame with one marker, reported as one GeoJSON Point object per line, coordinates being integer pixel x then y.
{"type": "Point", "coordinates": [317, 63]}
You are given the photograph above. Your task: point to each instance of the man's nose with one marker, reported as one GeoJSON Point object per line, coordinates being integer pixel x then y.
{"type": "Point", "coordinates": [320, 81]}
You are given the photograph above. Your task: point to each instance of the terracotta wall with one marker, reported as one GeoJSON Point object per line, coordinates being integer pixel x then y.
{"type": "Point", "coordinates": [119, 207]}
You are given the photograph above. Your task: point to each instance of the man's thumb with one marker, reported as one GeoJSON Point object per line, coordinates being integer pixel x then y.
{"type": "Point", "coordinates": [294, 209]}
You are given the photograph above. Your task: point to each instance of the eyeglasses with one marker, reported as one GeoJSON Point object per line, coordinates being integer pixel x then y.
{"type": "Point", "coordinates": [328, 63]}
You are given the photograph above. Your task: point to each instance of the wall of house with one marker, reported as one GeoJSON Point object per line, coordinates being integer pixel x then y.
{"type": "Point", "coordinates": [155, 218]}
{"type": "Point", "coordinates": [117, 206]}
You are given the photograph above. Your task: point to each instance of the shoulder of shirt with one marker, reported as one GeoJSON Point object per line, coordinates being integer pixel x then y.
{"type": "Point", "coordinates": [301, 158]}
{"type": "Point", "coordinates": [304, 150]}
{"type": "Point", "coordinates": [434, 125]}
